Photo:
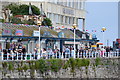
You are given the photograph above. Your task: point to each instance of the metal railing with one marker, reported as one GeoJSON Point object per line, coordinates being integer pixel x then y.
{"type": "Point", "coordinates": [35, 56]}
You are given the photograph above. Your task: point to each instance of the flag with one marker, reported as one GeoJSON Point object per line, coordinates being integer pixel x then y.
{"type": "Point", "coordinates": [30, 9]}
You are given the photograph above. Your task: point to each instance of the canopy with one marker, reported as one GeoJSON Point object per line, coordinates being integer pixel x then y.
{"type": "Point", "coordinates": [99, 43]}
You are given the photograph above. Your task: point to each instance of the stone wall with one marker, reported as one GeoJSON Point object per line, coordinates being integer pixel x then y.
{"type": "Point", "coordinates": [109, 68]}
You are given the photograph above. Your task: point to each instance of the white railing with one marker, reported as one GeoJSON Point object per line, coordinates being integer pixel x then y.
{"type": "Point", "coordinates": [35, 56]}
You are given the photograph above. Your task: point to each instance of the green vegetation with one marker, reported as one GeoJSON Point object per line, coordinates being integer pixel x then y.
{"type": "Point", "coordinates": [22, 9]}
{"type": "Point", "coordinates": [11, 66]}
{"type": "Point", "coordinates": [55, 64]}
{"type": "Point", "coordinates": [15, 20]}
{"type": "Point", "coordinates": [47, 22]}
{"type": "Point", "coordinates": [97, 61]}
{"type": "Point", "coordinates": [25, 67]}
{"type": "Point", "coordinates": [2, 20]}
{"type": "Point", "coordinates": [43, 66]}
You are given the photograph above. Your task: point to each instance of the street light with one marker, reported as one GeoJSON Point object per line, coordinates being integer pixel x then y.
{"type": "Point", "coordinates": [74, 27]}
{"type": "Point", "coordinates": [103, 30]}
{"type": "Point", "coordinates": [39, 24]}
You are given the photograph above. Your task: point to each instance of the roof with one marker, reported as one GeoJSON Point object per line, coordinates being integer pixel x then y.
{"type": "Point", "coordinates": [79, 33]}
{"type": "Point", "coordinates": [69, 34]}
{"type": "Point", "coordinates": [28, 31]}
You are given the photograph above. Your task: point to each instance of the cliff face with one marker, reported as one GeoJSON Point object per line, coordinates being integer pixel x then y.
{"type": "Point", "coordinates": [104, 68]}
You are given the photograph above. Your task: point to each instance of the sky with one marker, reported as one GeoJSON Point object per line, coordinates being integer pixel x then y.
{"type": "Point", "coordinates": [102, 14]}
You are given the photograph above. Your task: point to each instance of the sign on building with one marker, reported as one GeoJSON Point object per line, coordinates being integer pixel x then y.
{"type": "Point", "coordinates": [94, 36]}
{"type": "Point", "coordinates": [90, 36]}
{"type": "Point", "coordinates": [83, 36]}
{"type": "Point", "coordinates": [19, 33]}
{"type": "Point", "coordinates": [61, 35]}
{"type": "Point", "coordinates": [68, 11]}
{"type": "Point", "coordinates": [93, 45]}
{"type": "Point", "coordinates": [47, 34]}
{"type": "Point", "coordinates": [36, 33]}
{"type": "Point", "coordinates": [7, 32]}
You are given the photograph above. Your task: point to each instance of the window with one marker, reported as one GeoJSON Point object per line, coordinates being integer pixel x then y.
{"type": "Point", "coordinates": [69, 4]}
{"type": "Point", "coordinates": [56, 18]}
{"type": "Point", "coordinates": [66, 19]}
{"type": "Point", "coordinates": [76, 5]}
{"type": "Point", "coordinates": [82, 4]}
{"type": "Point", "coordinates": [55, 1]}
{"type": "Point", "coordinates": [69, 20]}
{"type": "Point", "coordinates": [72, 4]}
{"type": "Point", "coordinates": [61, 19]}
{"type": "Point", "coordinates": [79, 5]}
{"type": "Point", "coordinates": [73, 20]}
{"type": "Point", "coordinates": [53, 17]}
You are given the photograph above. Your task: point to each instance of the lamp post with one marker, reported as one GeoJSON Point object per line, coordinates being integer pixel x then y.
{"type": "Point", "coordinates": [103, 30]}
{"type": "Point", "coordinates": [74, 27]}
{"type": "Point", "coordinates": [39, 24]}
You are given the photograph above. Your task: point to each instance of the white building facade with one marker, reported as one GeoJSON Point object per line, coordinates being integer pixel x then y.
{"type": "Point", "coordinates": [62, 13]}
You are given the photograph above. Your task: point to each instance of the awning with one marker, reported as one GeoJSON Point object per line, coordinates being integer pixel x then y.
{"type": "Point", "coordinates": [99, 43]}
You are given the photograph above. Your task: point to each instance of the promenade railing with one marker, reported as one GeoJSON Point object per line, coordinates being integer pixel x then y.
{"type": "Point", "coordinates": [35, 56]}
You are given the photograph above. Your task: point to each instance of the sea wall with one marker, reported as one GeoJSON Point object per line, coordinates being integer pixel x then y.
{"type": "Point", "coordinates": [72, 68]}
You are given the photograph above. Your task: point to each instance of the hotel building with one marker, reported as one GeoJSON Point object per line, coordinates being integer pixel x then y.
{"type": "Point", "coordinates": [63, 13]}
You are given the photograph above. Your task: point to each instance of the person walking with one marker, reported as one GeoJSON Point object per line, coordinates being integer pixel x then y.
{"type": "Point", "coordinates": [24, 52]}
{"type": "Point", "coordinates": [81, 52]}
{"type": "Point", "coordinates": [107, 51]}
{"type": "Point", "coordinates": [102, 51]}
{"type": "Point", "coordinates": [44, 53]}
{"type": "Point", "coordinates": [67, 52]}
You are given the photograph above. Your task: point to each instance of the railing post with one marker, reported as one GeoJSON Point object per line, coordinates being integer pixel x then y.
{"type": "Point", "coordinates": [7, 56]}
{"type": "Point", "coordinates": [12, 55]}
{"type": "Point", "coordinates": [81, 55]}
{"type": "Point", "coordinates": [30, 56]}
{"type": "Point", "coordinates": [34, 55]}
{"type": "Point", "coordinates": [92, 54]}
{"type": "Point", "coordinates": [21, 56]}
{"type": "Point", "coordinates": [17, 55]}
{"type": "Point", "coordinates": [95, 54]}
{"type": "Point", "coordinates": [59, 55]}
{"type": "Point", "coordinates": [86, 54]}
{"type": "Point", "coordinates": [2, 55]}
{"type": "Point", "coordinates": [78, 54]}
{"type": "Point", "coordinates": [65, 55]}
{"type": "Point", "coordinates": [117, 53]}
{"type": "Point", "coordinates": [62, 56]}
{"type": "Point", "coordinates": [89, 54]}
{"type": "Point", "coordinates": [110, 54]}
{"type": "Point", "coordinates": [56, 55]}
